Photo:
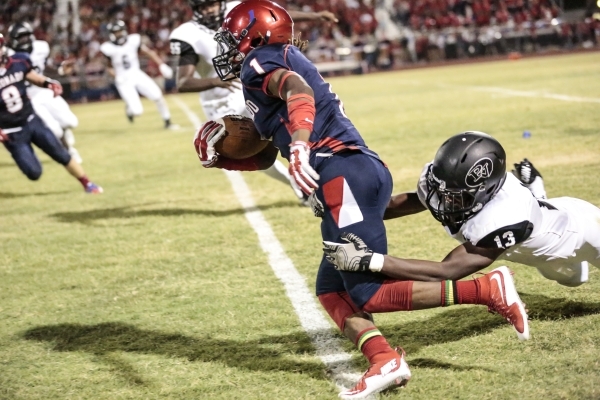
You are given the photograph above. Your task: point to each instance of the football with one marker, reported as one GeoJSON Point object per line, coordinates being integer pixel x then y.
{"type": "Point", "coordinates": [241, 139]}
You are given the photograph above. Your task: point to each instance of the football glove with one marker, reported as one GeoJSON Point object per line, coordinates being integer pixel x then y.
{"type": "Point", "coordinates": [526, 172]}
{"type": "Point", "coordinates": [54, 85]}
{"type": "Point", "coordinates": [3, 137]}
{"type": "Point", "coordinates": [352, 256]}
{"type": "Point", "coordinates": [300, 170]}
{"type": "Point", "coordinates": [165, 71]}
{"type": "Point", "coordinates": [204, 142]}
{"type": "Point", "coordinates": [315, 205]}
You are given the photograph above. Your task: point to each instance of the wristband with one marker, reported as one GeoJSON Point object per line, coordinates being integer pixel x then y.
{"type": "Point", "coordinates": [376, 264]}
{"type": "Point", "coordinates": [48, 82]}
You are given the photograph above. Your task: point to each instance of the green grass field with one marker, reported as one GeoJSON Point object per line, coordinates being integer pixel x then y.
{"type": "Point", "coordinates": [158, 288]}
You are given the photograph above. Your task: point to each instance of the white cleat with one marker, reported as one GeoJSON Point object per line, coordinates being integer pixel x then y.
{"type": "Point", "coordinates": [380, 376]}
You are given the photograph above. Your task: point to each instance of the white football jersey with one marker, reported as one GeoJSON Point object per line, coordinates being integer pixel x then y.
{"type": "Point", "coordinates": [38, 56]}
{"type": "Point", "coordinates": [201, 39]}
{"type": "Point", "coordinates": [124, 58]}
{"type": "Point", "coordinates": [532, 232]}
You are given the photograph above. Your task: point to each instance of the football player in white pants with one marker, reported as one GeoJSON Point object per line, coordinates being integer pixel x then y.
{"type": "Point", "coordinates": [494, 214]}
{"type": "Point", "coordinates": [130, 80]}
{"type": "Point", "coordinates": [54, 111]}
{"type": "Point", "coordinates": [194, 44]}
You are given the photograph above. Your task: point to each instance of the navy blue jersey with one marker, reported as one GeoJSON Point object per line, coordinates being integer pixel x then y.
{"type": "Point", "coordinates": [15, 106]}
{"type": "Point", "coordinates": [332, 131]}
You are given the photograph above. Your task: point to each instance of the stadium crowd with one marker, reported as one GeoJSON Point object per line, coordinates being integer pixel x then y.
{"type": "Point", "coordinates": [370, 35]}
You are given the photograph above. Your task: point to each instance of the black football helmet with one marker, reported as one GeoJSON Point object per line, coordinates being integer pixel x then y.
{"type": "Point", "coordinates": [212, 20]}
{"type": "Point", "coordinates": [21, 37]}
{"type": "Point", "coordinates": [467, 171]}
{"type": "Point", "coordinates": [117, 32]}
{"type": "Point", "coordinates": [3, 56]}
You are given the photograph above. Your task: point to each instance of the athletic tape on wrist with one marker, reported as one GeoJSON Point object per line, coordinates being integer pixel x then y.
{"type": "Point", "coordinates": [376, 264]}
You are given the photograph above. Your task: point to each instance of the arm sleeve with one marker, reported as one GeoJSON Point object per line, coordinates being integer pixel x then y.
{"type": "Point", "coordinates": [186, 53]}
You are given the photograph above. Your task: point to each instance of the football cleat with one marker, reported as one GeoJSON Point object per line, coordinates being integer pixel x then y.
{"type": "Point", "coordinates": [380, 376]}
{"type": "Point", "coordinates": [92, 188]}
{"type": "Point", "coordinates": [170, 126]}
{"type": "Point", "coordinates": [505, 300]}
{"type": "Point", "coordinates": [526, 172]}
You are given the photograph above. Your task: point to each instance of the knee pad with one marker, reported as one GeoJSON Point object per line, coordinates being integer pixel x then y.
{"type": "Point", "coordinates": [339, 306]}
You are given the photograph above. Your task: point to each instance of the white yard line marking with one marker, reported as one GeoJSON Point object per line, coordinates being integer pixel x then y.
{"type": "Point", "coordinates": [328, 347]}
{"type": "Point", "coordinates": [192, 116]}
{"type": "Point", "coordinates": [527, 93]}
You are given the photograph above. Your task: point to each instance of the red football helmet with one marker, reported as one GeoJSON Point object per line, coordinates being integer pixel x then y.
{"type": "Point", "coordinates": [248, 25]}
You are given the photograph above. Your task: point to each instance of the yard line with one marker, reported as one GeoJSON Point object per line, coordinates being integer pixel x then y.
{"type": "Point", "coordinates": [527, 93]}
{"type": "Point", "coordinates": [328, 347]}
{"type": "Point", "coordinates": [192, 116]}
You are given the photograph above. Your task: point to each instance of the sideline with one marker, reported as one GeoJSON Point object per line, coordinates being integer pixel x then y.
{"type": "Point", "coordinates": [328, 347]}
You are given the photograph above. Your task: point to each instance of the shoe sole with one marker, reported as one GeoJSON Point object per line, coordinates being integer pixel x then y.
{"type": "Point", "coordinates": [513, 295]}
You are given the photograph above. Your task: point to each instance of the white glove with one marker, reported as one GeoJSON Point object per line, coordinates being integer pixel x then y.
{"type": "Point", "coordinates": [205, 139]}
{"type": "Point", "coordinates": [353, 256]}
{"type": "Point", "coordinates": [165, 71]}
{"type": "Point", "coordinates": [315, 205]}
{"type": "Point", "coordinates": [300, 170]}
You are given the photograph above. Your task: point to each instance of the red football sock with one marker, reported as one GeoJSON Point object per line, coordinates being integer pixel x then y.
{"type": "Point", "coordinates": [373, 345]}
{"type": "Point", "coordinates": [84, 181]}
{"type": "Point", "coordinates": [391, 296]}
{"type": "Point", "coordinates": [476, 291]}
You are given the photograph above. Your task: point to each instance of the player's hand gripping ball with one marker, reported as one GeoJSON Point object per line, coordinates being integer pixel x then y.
{"type": "Point", "coordinates": [241, 139]}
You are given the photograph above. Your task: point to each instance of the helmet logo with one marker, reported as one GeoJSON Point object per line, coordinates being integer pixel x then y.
{"type": "Point", "coordinates": [480, 171]}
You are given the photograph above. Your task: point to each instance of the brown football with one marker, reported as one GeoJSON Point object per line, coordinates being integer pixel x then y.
{"type": "Point", "coordinates": [241, 139]}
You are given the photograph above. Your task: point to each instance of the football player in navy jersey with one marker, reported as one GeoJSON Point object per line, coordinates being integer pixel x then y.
{"type": "Point", "coordinates": [492, 213]}
{"type": "Point", "coordinates": [294, 107]}
{"type": "Point", "coordinates": [20, 126]}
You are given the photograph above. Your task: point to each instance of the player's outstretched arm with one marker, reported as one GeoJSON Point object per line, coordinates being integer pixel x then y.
{"type": "Point", "coordinates": [187, 83]}
{"type": "Point", "coordinates": [165, 70]}
{"type": "Point", "coordinates": [324, 16]}
{"type": "Point", "coordinates": [403, 204]}
{"type": "Point", "coordinates": [354, 255]}
{"type": "Point", "coordinates": [43, 81]}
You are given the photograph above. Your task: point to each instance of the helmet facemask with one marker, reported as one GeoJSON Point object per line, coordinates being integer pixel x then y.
{"type": "Point", "coordinates": [228, 62]}
{"type": "Point", "coordinates": [452, 207]}
{"type": "Point", "coordinates": [21, 37]}
{"type": "Point", "coordinates": [117, 32]}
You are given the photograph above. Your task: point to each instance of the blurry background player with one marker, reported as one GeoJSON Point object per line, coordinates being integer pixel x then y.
{"type": "Point", "coordinates": [20, 126]}
{"type": "Point", "coordinates": [53, 110]}
{"type": "Point", "coordinates": [194, 44]}
{"type": "Point", "coordinates": [293, 106]}
{"type": "Point", "coordinates": [493, 213]}
{"type": "Point", "coordinates": [130, 80]}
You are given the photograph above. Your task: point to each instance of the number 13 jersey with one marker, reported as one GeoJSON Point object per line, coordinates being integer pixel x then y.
{"type": "Point", "coordinates": [533, 232]}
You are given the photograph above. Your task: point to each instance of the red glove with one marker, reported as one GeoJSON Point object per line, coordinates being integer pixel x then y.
{"type": "Point", "coordinates": [204, 142]}
{"type": "Point", "coordinates": [54, 85]}
{"type": "Point", "coordinates": [3, 137]}
{"type": "Point", "coordinates": [304, 175]}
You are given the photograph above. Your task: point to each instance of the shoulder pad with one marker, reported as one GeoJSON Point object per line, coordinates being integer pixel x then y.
{"type": "Point", "coordinates": [41, 46]}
